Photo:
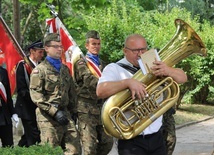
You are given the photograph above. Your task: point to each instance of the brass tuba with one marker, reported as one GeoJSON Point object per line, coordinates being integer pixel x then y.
{"type": "Point", "coordinates": [125, 118]}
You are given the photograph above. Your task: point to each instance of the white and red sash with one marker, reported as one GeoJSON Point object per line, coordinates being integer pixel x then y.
{"type": "Point", "coordinates": [93, 68]}
{"type": "Point", "coordinates": [3, 92]}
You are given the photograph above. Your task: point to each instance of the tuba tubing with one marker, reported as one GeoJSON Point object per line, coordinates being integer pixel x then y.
{"type": "Point", "coordinates": [116, 123]}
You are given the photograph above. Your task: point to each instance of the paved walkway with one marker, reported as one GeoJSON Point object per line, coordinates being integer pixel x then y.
{"type": "Point", "coordinates": [196, 138]}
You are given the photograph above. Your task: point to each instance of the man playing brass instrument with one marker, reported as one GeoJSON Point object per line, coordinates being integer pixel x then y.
{"type": "Point", "coordinates": [116, 78]}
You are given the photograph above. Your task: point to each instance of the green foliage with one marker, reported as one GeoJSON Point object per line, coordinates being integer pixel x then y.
{"type": "Point", "coordinates": [115, 19]}
{"type": "Point", "coordinates": [35, 12]}
{"type": "Point", "coordinates": [31, 28]}
{"type": "Point", "coordinates": [76, 26]}
{"type": "Point", "coordinates": [114, 24]}
{"type": "Point", "coordinates": [88, 4]}
{"type": "Point", "coordinates": [119, 20]}
{"type": "Point", "coordinates": [32, 150]}
{"type": "Point", "coordinates": [148, 4]}
{"type": "Point", "coordinates": [32, 2]}
{"type": "Point", "coordinates": [199, 7]}
{"type": "Point", "coordinates": [199, 69]}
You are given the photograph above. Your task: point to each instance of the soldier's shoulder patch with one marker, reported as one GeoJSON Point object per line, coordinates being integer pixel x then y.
{"type": "Point", "coordinates": [35, 71]}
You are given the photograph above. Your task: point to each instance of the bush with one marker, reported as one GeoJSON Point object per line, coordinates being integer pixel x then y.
{"type": "Point", "coordinates": [32, 150]}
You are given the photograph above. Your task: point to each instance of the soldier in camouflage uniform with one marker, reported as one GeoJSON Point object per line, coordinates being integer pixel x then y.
{"type": "Point", "coordinates": [94, 139]}
{"type": "Point", "coordinates": [52, 90]}
{"type": "Point", "coordinates": [169, 130]}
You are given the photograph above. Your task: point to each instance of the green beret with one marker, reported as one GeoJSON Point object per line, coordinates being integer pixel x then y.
{"type": "Point", "coordinates": [51, 37]}
{"type": "Point", "coordinates": [93, 34]}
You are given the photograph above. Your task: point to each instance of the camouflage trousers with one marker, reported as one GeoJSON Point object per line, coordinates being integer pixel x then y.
{"type": "Point", "coordinates": [169, 131]}
{"type": "Point", "coordinates": [65, 136]}
{"type": "Point", "coordinates": [94, 140]}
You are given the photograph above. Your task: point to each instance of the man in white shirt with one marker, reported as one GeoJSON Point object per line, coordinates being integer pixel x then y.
{"type": "Point", "coordinates": [115, 78]}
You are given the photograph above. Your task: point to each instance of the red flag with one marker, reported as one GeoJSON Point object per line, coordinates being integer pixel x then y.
{"type": "Point", "coordinates": [71, 50]}
{"type": "Point", "coordinates": [9, 53]}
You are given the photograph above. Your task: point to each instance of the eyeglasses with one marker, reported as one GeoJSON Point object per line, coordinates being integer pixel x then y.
{"type": "Point", "coordinates": [137, 50]}
{"type": "Point", "coordinates": [56, 46]}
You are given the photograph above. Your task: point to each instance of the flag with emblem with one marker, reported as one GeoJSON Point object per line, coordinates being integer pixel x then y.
{"type": "Point", "coordinates": [9, 53]}
{"type": "Point", "coordinates": [72, 51]}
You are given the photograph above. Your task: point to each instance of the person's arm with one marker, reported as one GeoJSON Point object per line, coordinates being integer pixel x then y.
{"type": "Point", "coordinates": [85, 80]}
{"type": "Point", "coordinates": [177, 74]}
{"type": "Point", "coordinates": [21, 82]}
{"type": "Point", "coordinates": [161, 69]}
{"type": "Point", "coordinates": [106, 89]}
{"type": "Point", "coordinates": [72, 106]}
{"type": "Point", "coordinates": [38, 92]}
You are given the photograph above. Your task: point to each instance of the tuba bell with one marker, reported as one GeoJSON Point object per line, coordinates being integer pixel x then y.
{"type": "Point", "coordinates": [125, 118]}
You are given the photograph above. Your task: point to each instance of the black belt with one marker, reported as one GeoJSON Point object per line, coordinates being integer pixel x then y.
{"type": "Point", "coordinates": [149, 135]}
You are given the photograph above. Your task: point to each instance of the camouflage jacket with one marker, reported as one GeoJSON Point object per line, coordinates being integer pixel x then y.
{"type": "Point", "coordinates": [86, 84]}
{"type": "Point", "coordinates": [51, 90]}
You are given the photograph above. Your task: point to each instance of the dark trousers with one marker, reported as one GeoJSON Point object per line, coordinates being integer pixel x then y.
{"type": "Point", "coordinates": [94, 139]}
{"type": "Point", "coordinates": [31, 133]}
{"type": "Point", "coordinates": [6, 135]}
{"type": "Point", "coordinates": [143, 145]}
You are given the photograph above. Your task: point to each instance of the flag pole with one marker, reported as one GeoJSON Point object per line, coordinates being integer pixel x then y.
{"type": "Point", "coordinates": [52, 8]}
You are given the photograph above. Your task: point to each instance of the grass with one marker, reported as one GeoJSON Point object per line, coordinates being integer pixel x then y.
{"type": "Point", "coordinates": [193, 112]}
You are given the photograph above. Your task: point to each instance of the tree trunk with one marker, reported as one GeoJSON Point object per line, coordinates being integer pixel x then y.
{"type": "Point", "coordinates": [16, 20]}
{"type": "Point", "coordinates": [184, 88]}
{"type": "Point", "coordinates": [0, 6]}
{"type": "Point", "coordinates": [182, 93]}
{"type": "Point", "coordinates": [201, 96]}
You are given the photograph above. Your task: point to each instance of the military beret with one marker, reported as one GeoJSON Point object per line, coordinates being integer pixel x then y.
{"type": "Point", "coordinates": [93, 34]}
{"type": "Point", "coordinates": [36, 45]}
{"type": "Point", "coordinates": [51, 37]}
